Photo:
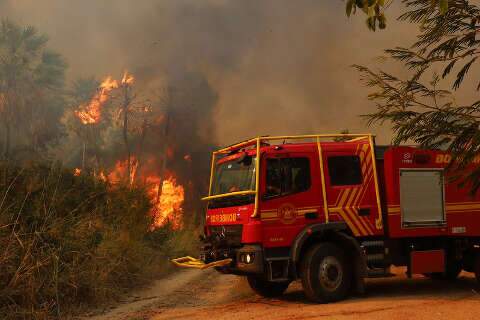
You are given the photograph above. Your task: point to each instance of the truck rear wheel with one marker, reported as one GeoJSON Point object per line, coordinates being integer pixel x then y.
{"type": "Point", "coordinates": [452, 270]}
{"type": "Point", "coordinates": [326, 273]}
{"type": "Point", "coordinates": [267, 288]}
{"type": "Point", "coordinates": [477, 268]}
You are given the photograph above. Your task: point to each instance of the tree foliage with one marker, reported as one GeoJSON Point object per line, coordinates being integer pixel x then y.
{"type": "Point", "coordinates": [375, 10]}
{"type": "Point", "coordinates": [422, 107]}
{"type": "Point", "coordinates": [31, 80]}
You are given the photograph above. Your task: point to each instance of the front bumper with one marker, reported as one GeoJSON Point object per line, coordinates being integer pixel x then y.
{"type": "Point", "coordinates": [247, 259]}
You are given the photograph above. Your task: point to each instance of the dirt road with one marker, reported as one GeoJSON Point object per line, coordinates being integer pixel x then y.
{"type": "Point", "coordinates": [206, 295]}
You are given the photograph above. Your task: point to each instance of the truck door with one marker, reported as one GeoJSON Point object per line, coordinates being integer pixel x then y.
{"type": "Point", "coordinates": [350, 186]}
{"type": "Point", "coordinates": [289, 195]}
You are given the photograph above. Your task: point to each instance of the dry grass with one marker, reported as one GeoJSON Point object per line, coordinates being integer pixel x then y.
{"type": "Point", "coordinates": [69, 242]}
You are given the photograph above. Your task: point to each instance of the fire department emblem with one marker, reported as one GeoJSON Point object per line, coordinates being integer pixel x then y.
{"type": "Point", "coordinates": [287, 213]}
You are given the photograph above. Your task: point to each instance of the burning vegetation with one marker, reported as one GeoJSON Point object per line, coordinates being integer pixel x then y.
{"type": "Point", "coordinates": [167, 199]}
{"type": "Point", "coordinates": [92, 112]}
{"type": "Point", "coordinates": [165, 193]}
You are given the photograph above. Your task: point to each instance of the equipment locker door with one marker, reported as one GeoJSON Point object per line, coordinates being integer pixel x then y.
{"type": "Point", "coordinates": [422, 197]}
{"type": "Point", "coordinates": [350, 185]}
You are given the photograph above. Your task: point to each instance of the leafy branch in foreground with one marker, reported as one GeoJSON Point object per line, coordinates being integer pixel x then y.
{"type": "Point", "coordinates": [418, 108]}
{"type": "Point", "coordinates": [375, 10]}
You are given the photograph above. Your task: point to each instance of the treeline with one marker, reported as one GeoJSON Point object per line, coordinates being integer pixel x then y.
{"type": "Point", "coordinates": [41, 113]}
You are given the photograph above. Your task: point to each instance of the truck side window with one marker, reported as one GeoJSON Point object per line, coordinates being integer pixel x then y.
{"type": "Point", "coordinates": [344, 170]}
{"type": "Point", "coordinates": [286, 176]}
{"type": "Point", "coordinates": [300, 174]}
{"type": "Point", "coordinates": [274, 178]}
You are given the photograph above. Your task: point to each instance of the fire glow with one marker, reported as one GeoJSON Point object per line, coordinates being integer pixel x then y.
{"type": "Point", "coordinates": [127, 78]}
{"type": "Point", "coordinates": [166, 195]}
{"type": "Point", "coordinates": [120, 171]}
{"type": "Point", "coordinates": [167, 201]}
{"type": "Point", "coordinates": [92, 112]}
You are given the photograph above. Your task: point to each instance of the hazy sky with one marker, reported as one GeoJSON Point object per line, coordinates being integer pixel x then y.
{"type": "Point", "coordinates": [277, 66]}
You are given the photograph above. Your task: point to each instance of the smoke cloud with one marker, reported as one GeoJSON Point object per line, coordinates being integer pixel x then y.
{"type": "Point", "coordinates": [273, 66]}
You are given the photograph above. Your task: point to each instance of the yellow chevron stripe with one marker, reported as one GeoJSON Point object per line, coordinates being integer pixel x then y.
{"type": "Point", "coordinates": [350, 224]}
{"type": "Point", "coordinates": [344, 196]}
{"type": "Point", "coordinates": [358, 147]}
{"type": "Point", "coordinates": [340, 194]}
{"type": "Point", "coordinates": [352, 196]}
{"type": "Point", "coordinates": [344, 206]}
{"type": "Point", "coordinates": [352, 213]}
{"type": "Point", "coordinates": [366, 155]}
{"type": "Point", "coordinates": [368, 225]}
{"type": "Point", "coordinates": [354, 217]}
{"type": "Point", "coordinates": [364, 164]}
{"type": "Point", "coordinates": [363, 154]}
{"type": "Point", "coordinates": [355, 202]}
{"type": "Point", "coordinates": [364, 189]}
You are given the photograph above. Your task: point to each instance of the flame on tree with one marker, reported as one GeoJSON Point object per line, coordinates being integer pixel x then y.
{"type": "Point", "coordinates": [133, 118]}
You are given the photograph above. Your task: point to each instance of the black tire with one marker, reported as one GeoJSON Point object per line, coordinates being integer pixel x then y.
{"type": "Point", "coordinates": [326, 273]}
{"type": "Point", "coordinates": [477, 268]}
{"type": "Point", "coordinates": [267, 288]}
{"type": "Point", "coordinates": [453, 269]}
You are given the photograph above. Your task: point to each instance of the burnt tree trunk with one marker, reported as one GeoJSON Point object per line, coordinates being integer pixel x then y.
{"type": "Point", "coordinates": [141, 143]}
{"type": "Point", "coordinates": [166, 133]}
{"type": "Point", "coordinates": [125, 107]}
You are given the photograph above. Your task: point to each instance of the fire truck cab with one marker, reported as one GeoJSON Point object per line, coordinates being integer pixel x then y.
{"type": "Point", "coordinates": [332, 210]}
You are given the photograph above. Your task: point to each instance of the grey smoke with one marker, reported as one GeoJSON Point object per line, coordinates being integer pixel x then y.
{"type": "Point", "coordinates": [276, 66]}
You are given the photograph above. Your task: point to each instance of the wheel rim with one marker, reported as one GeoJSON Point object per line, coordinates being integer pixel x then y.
{"type": "Point", "coordinates": [330, 273]}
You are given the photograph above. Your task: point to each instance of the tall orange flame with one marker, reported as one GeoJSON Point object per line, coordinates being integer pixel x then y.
{"type": "Point", "coordinates": [166, 195]}
{"type": "Point", "coordinates": [91, 113]}
{"type": "Point", "coordinates": [120, 172]}
{"type": "Point", "coordinates": [167, 202]}
{"type": "Point", "coordinates": [127, 78]}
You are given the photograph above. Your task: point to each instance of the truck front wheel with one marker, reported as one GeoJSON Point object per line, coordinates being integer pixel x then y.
{"type": "Point", "coordinates": [326, 273]}
{"type": "Point", "coordinates": [267, 288]}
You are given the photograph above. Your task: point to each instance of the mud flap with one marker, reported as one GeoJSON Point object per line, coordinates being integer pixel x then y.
{"type": "Point", "coordinates": [190, 262]}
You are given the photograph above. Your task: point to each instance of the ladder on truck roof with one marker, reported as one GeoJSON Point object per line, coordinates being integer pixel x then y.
{"type": "Point", "coordinates": [257, 143]}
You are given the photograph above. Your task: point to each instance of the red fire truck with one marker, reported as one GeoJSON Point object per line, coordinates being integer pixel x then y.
{"type": "Point", "coordinates": [332, 210]}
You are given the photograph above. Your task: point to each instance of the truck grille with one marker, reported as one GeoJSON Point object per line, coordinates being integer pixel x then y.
{"type": "Point", "coordinates": [233, 233]}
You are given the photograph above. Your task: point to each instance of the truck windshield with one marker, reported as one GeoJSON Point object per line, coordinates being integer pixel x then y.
{"type": "Point", "coordinates": [234, 176]}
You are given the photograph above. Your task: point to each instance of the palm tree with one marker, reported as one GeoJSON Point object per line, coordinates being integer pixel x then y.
{"type": "Point", "coordinates": [31, 79]}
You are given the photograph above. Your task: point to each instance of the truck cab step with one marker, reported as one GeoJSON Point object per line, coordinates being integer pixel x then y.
{"type": "Point", "coordinates": [379, 273]}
